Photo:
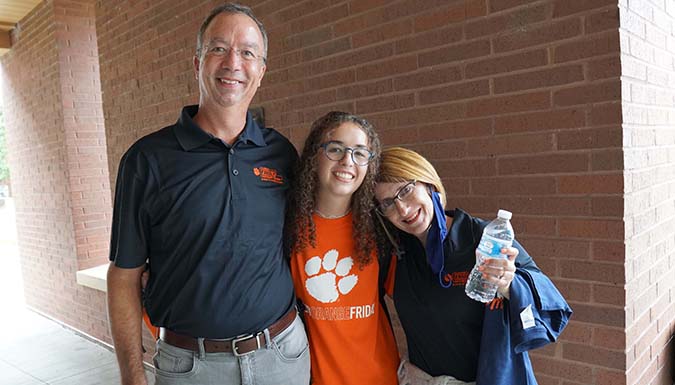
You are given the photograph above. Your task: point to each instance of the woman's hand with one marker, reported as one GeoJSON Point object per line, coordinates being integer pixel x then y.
{"type": "Point", "coordinates": [500, 271]}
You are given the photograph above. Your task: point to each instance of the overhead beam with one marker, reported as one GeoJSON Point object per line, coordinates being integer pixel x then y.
{"type": "Point", "coordinates": [5, 40]}
{"type": "Point", "coordinates": [6, 25]}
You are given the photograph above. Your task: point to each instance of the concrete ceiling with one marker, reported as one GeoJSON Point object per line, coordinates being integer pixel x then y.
{"type": "Point", "coordinates": [11, 11]}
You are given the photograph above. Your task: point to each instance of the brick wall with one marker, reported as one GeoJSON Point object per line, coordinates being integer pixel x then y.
{"type": "Point", "coordinates": [648, 94]}
{"type": "Point", "coordinates": [517, 103]}
{"type": "Point", "coordinates": [52, 109]}
{"type": "Point", "coordinates": [85, 143]}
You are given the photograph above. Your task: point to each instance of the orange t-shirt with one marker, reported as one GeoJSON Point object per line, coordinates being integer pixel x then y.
{"type": "Point", "coordinates": [350, 338]}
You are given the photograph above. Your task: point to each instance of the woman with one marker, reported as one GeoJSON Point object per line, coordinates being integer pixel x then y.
{"type": "Point", "coordinates": [443, 326]}
{"type": "Point", "coordinates": [333, 254]}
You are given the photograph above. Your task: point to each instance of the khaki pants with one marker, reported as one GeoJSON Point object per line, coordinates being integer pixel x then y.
{"type": "Point", "coordinates": [409, 374]}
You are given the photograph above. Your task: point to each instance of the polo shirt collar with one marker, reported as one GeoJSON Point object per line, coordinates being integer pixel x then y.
{"type": "Point", "coordinates": [191, 136]}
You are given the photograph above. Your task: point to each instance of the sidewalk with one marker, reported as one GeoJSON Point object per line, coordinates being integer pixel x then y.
{"type": "Point", "coordinates": [36, 350]}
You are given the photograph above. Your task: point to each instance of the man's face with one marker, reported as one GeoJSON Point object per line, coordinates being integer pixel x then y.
{"type": "Point", "coordinates": [230, 65]}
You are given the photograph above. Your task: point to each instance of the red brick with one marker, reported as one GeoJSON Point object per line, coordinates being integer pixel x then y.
{"type": "Point", "coordinates": [594, 355]}
{"type": "Point", "coordinates": [545, 185]}
{"type": "Point", "coordinates": [455, 91]}
{"type": "Point", "coordinates": [569, 7]}
{"type": "Point", "coordinates": [441, 150]}
{"type": "Point", "coordinates": [558, 249]}
{"type": "Point", "coordinates": [607, 206]}
{"type": "Point", "coordinates": [605, 137]}
{"type": "Point", "coordinates": [591, 93]}
{"type": "Point", "coordinates": [507, 104]}
{"type": "Point", "coordinates": [543, 164]}
{"type": "Point", "coordinates": [455, 129]}
{"type": "Point", "coordinates": [501, 22]}
{"type": "Point", "coordinates": [326, 49]}
{"type": "Point", "coordinates": [385, 103]}
{"type": "Point", "coordinates": [602, 20]}
{"type": "Point", "coordinates": [601, 315]}
{"type": "Point", "coordinates": [420, 116]}
{"type": "Point", "coordinates": [500, 5]}
{"type": "Point", "coordinates": [512, 144]}
{"type": "Point", "coordinates": [363, 89]}
{"type": "Point", "coordinates": [592, 228]}
{"type": "Point", "coordinates": [539, 79]}
{"type": "Point", "coordinates": [451, 14]}
{"type": "Point", "coordinates": [543, 34]}
{"type": "Point", "coordinates": [359, 6]}
{"type": "Point", "coordinates": [378, 15]}
{"type": "Point", "coordinates": [609, 251]}
{"type": "Point", "coordinates": [604, 68]}
{"type": "Point", "coordinates": [51, 224]}
{"type": "Point", "coordinates": [589, 46]}
{"type": "Point", "coordinates": [383, 32]}
{"type": "Point", "coordinates": [386, 68]}
{"type": "Point", "coordinates": [607, 160]}
{"type": "Point", "coordinates": [328, 80]}
{"type": "Point", "coordinates": [429, 39]}
{"type": "Point", "coordinates": [314, 20]}
{"type": "Point", "coordinates": [539, 121]}
{"type": "Point", "coordinates": [427, 77]}
{"type": "Point", "coordinates": [611, 295]}
{"type": "Point", "coordinates": [574, 290]}
{"type": "Point", "coordinates": [397, 136]}
{"type": "Point", "coordinates": [457, 52]}
{"type": "Point", "coordinates": [457, 168]}
{"type": "Point", "coordinates": [567, 369]}
{"type": "Point", "coordinates": [577, 332]}
{"type": "Point", "coordinates": [592, 271]}
{"type": "Point", "coordinates": [605, 113]}
{"type": "Point", "coordinates": [591, 184]}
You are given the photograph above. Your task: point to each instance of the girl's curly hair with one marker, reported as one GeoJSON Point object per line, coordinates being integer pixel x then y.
{"type": "Point", "coordinates": [300, 227]}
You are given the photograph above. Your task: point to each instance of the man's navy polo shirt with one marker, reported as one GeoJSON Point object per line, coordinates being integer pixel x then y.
{"type": "Point", "coordinates": [209, 218]}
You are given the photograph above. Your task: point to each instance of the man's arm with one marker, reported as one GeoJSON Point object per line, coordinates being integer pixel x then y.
{"type": "Point", "coordinates": [124, 312]}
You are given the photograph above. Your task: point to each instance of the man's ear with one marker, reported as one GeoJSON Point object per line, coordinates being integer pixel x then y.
{"type": "Point", "coordinates": [262, 74]}
{"type": "Point", "coordinates": [195, 63]}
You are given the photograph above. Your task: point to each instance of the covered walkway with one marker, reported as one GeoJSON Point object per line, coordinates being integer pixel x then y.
{"type": "Point", "coordinates": [34, 349]}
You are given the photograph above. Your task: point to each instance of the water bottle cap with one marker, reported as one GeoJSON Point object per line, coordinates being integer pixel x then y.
{"type": "Point", "coordinates": [504, 214]}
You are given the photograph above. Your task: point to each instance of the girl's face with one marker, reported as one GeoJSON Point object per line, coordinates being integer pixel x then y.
{"type": "Point", "coordinates": [411, 211]}
{"type": "Point", "coordinates": [339, 179]}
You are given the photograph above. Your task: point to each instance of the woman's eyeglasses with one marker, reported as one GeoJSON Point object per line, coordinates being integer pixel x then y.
{"type": "Point", "coordinates": [336, 151]}
{"type": "Point", "coordinates": [388, 205]}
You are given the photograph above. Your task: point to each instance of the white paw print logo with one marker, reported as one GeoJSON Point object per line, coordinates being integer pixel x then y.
{"type": "Point", "coordinates": [324, 287]}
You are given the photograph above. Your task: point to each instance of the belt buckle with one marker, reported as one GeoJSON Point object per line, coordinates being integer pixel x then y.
{"type": "Point", "coordinates": [242, 338]}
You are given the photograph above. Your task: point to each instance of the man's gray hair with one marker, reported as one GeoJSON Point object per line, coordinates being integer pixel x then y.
{"type": "Point", "coordinates": [232, 8]}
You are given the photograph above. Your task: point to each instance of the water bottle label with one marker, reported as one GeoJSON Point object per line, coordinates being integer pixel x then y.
{"type": "Point", "coordinates": [490, 247]}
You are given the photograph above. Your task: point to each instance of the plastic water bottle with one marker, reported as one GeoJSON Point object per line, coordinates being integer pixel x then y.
{"type": "Point", "coordinates": [497, 235]}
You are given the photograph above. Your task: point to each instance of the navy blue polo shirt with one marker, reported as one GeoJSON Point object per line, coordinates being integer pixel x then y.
{"type": "Point", "coordinates": [209, 219]}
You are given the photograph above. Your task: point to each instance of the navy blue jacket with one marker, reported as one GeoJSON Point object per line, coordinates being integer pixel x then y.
{"type": "Point", "coordinates": [534, 316]}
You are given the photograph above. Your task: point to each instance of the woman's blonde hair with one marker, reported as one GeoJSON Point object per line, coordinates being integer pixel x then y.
{"type": "Point", "coordinates": [398, 164]}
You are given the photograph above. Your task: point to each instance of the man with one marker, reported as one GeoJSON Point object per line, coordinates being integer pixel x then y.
{"type": "Point", "coordinates": [203, 202]}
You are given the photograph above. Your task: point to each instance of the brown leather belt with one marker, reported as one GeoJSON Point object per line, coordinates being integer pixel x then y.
{"type": "Point", "coordinates": [237, 346]}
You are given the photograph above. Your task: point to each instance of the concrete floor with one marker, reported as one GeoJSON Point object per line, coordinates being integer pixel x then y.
{"type": "Point", "coordinates": [34, 349]}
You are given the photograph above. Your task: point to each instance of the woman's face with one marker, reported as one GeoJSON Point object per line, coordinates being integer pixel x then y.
{"type": "Point", "coordinates": [339, 179]}
{"type": "Point", "coordinates": [412, 212]}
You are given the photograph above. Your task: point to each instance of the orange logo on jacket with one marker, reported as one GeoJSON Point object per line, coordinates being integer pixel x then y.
{"type": "Point", "coordinates": [267, 174]}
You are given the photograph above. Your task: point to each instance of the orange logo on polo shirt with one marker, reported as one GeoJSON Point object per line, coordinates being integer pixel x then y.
{"type": "Point", "coordinates": [458, 278]}
{"type": "Point", "coordinates": [267, 174]}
